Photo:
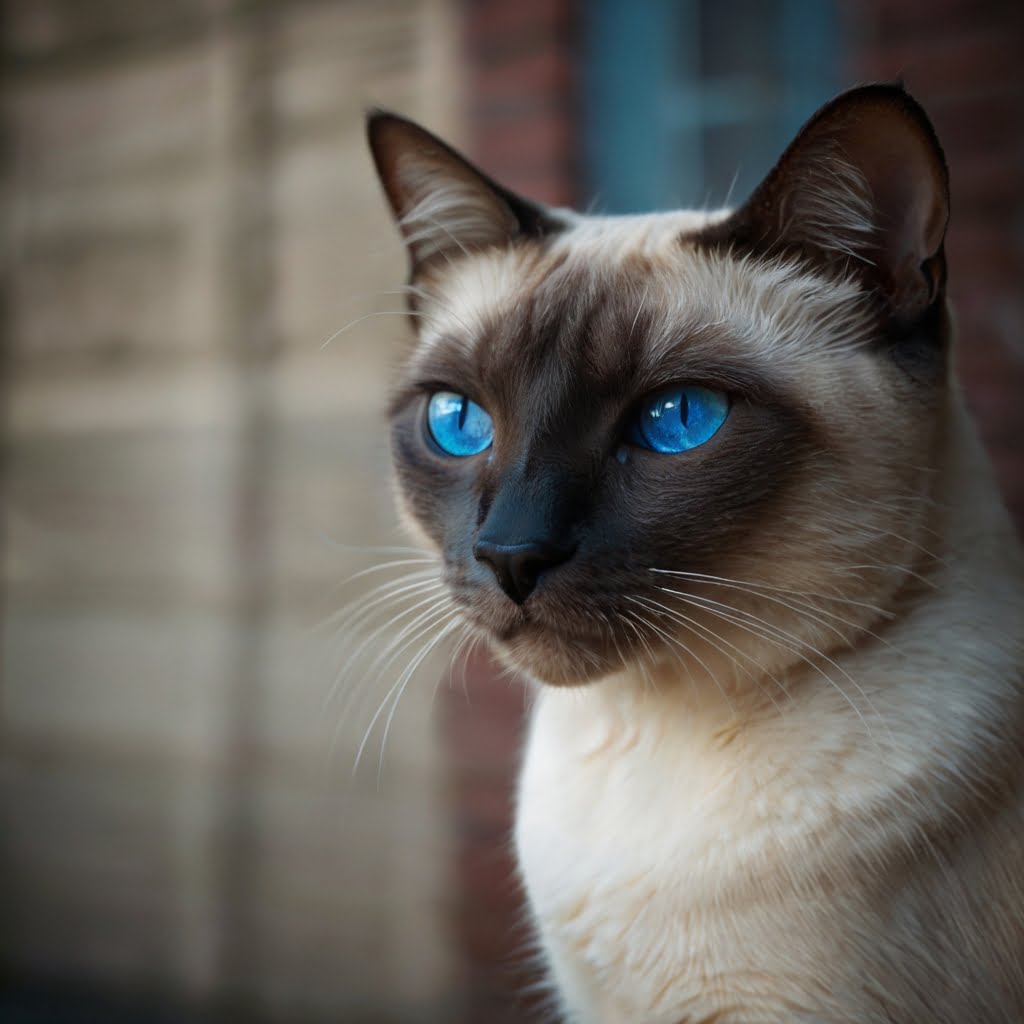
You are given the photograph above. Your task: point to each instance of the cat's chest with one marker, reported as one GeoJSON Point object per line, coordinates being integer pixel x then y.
{"type": "Point", "coordinates": [637, 853]}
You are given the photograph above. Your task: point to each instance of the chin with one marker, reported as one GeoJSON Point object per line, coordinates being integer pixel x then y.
{"type": "Point", "coordinates": [558, 661]}
{"type": "Point", "coordinates": [542, 642]}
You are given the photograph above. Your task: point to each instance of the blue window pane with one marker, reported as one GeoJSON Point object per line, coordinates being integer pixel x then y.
{"type": "Point", "coordinates": [688, 102]}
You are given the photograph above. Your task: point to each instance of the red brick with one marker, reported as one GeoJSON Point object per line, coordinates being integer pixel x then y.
{"type": "Point", "coordinates": [924, 18]}
{"type": "Point", "coordinates": [550, 138]}
{"type": "Point", "coordinates": [489, 19]}
{"type": "Point", "coordinates": [986, 186]}
{"type": "Point", "coordinates": [938, 66]}
{"type": "Point", "coordinates": [483, 807]}
{"type": "Point", "coordinates": [545, 72]}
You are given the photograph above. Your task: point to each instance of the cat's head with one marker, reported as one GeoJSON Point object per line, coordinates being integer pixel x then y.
{"type": "Point", "coordinates": [692, 437]}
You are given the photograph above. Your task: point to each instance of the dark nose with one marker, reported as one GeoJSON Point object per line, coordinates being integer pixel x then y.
{"type": "Point", "coordinates": [517, 567]}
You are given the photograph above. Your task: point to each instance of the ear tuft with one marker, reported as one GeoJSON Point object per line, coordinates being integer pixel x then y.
{"type": "Point", "coordinates": [863, 188]}
{"type": "Point", "coordinates": [444, 205]}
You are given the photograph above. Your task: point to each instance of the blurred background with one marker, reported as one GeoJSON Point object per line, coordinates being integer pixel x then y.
{"type": "Point", "coordinates": [189, 475]}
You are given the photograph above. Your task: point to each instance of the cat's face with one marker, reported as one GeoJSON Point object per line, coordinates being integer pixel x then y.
{"type": "Point", "coordinates": [677, 437]}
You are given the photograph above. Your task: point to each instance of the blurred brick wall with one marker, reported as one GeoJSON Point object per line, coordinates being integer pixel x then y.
{"type": "Point", "coordinates": [521, 93]}
{"type": "Point", "coordinates": [190, 213]}
{"type": "Point", "coordinates": [963, 61]}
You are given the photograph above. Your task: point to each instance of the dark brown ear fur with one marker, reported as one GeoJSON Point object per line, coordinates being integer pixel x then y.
{"type": "Point", "coordinates": [444, 205]}
{"type": "Point", "coordinates": [863, 188]}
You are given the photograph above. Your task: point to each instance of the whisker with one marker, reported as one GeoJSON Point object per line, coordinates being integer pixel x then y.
{"type": "Point", "coordinates": [802, 608]}
{"type": "Point", "coordinates": [392, 565]}
{"type": "Point", "coordinates": [771, 634]}
{"type": "Point", "coordinates": [370, 316]}
{"type": "Point", "coordinates": [375, 596]}
{"type": "Point", "coordinates": [410, 634]}
{"type": "Point", "coordinates": [643, 640]}
{"type": "Point", "coordinates": [427, 296]}
{"type": "Point", "coordinates": [380, 549]}
{"type": "Point", "coordinates": [882, 612]}
{"type": "Point", "coordinates": [624, 617]}
{"type": "Point", "coordinates": [392, 598]}
{"type": "Point", "coordinates": [693, 624]}
{"type": "Point", "coordinates": [906, 570]}
{"type": "Point", "coordinates": [700, 661]}
{"type": "Point", "coordinates": [406, 677]}
{"type": "Point", "coordinates": [459, 657]}
{"type": "Point", "coordinates": [428, 594]}
{"type": "Point", "coordinates": [677, 657]}
{"type": "Point", "coordinates": [394, 646]}
{"type": "Point", "coordinates": [639, 310]}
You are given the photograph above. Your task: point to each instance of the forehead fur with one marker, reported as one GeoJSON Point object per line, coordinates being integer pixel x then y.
{"type": "Point", "coordinates": [657, 286]}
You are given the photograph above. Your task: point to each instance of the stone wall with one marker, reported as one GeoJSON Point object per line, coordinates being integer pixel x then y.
{"type": "Point", "coordinates": [188, 477]}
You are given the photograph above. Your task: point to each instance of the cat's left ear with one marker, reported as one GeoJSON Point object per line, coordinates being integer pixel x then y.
{"type": "Point", "coordinates": [863, 188]}
{"type": "Point", "coordinates": [445, 207]}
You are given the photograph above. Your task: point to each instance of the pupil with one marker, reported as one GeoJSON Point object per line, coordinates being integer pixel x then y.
{"type": "Point", "coordinates": [463, 409]}
{"type": "Point", "coordinates": [684, 409]}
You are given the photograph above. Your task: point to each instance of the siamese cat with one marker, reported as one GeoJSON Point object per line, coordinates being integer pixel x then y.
{"type": "Point", "coordinates": [708, 480]}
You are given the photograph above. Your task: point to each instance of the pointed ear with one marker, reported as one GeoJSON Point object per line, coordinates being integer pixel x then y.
{"type": "Point", "coordinates": [444, 205]}
{"type": "Point", "coordinates": [863, 188]}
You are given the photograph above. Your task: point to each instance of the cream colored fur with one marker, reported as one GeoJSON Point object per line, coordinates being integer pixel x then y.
{"type": "Point", "coordinates": [697, 857]}
{"type": "Point", "coordinates": [690, 862]}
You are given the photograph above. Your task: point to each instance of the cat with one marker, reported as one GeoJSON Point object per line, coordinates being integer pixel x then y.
{"type": "Point", "coordinates": [707, 479]}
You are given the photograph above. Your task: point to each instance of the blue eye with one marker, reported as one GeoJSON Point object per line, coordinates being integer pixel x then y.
{"type": "Point", "coordinates": [458, 425]}
{"type": "Point", "coordinates": [679, 418]}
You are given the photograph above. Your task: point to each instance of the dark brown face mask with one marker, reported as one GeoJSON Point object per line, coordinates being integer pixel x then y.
{"type": "Point", "coordinates": [557, 471]}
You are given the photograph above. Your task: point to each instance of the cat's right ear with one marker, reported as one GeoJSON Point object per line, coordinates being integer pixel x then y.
{"type": "Point", "coordinates": [445, 207]}
{"type": "Point", "coordinates": [863, 189]}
